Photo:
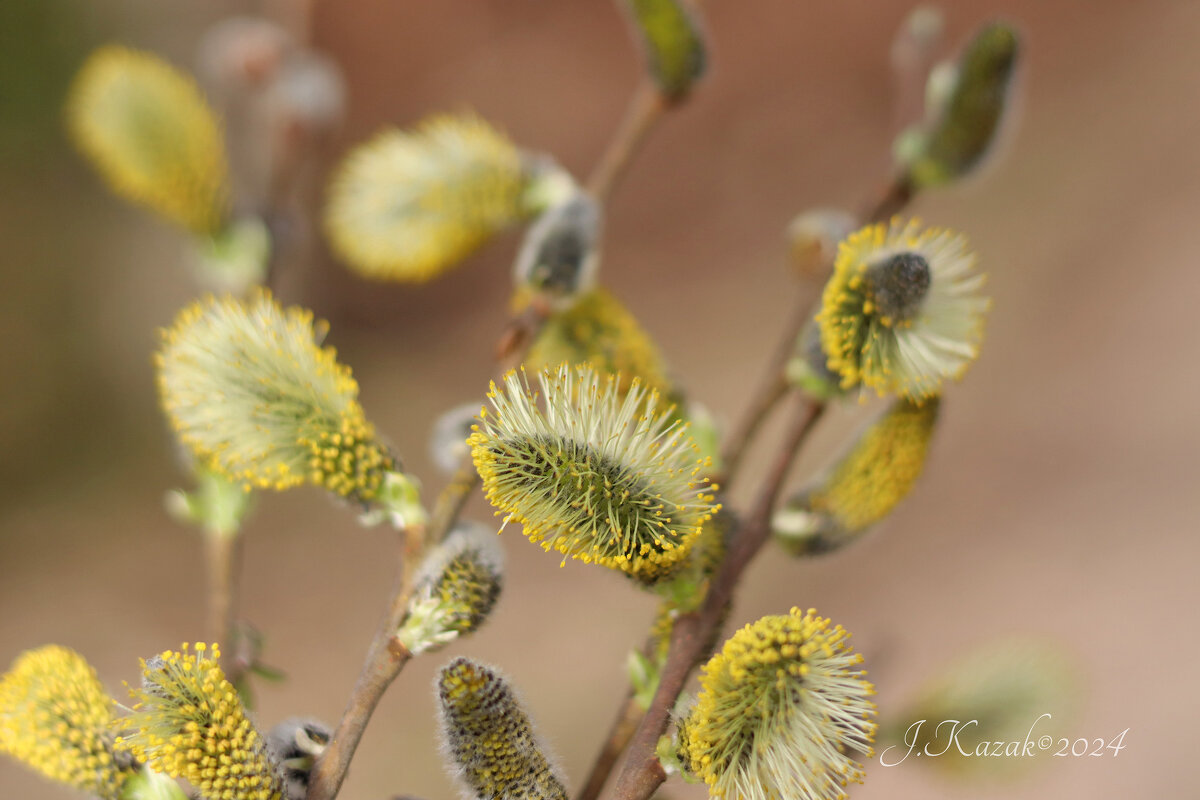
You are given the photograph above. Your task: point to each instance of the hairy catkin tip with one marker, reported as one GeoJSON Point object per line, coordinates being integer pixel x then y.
{"type": "Point", "coordinates": [490, 743]}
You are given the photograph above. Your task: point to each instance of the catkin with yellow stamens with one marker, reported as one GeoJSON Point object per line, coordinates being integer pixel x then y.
{"type": "Point", "coordinates": [866, 484]}
{"type": "Point", "coordinates": [598, 476]}
{"type": "Point", "coordinates": [56, 717]}
{"type": "Point", "coordinates": [490, 743]}
{"type": "Point", "coordinates": [780, 709]}
{"type": "Point", "coordinates": [408, 205]}
{"type": "Point", "coordinates": [599, 331]}
{"type": "Point", "coordinates": [149, 131]}
{"type": "Point", "coordinates": [189, 723]}
{"type": "Point", "coordinates": [903, 311]}
{"type": "Point", "coordinates": [248, 388]}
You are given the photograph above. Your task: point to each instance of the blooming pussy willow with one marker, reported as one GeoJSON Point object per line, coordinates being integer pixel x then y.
{"type": "Point", "coordinates": [490, 743]}
{"type": "Point", "coordinates": [56, 718]}
{"type": "Point", "coordinates": [902, 311]}
{"type": "Point", "coordinates": [455, 589]}
{"type": "Point", "coordinates": [189, 723]}
{"type": "Point", "coordinates": [148, 130]}
{"type": "Point", "coordinates": [877, 472]}
{"type": "Point", "coordinates": [249, 389]}
{"type": "Point", "coordinates": [408, 205]}
{"type": "Point", "coordinates": [599, 330]}
{"type": "Point", "coordinates": [597, 476]}
{"type": "Point", "coordinates": [780, 707]}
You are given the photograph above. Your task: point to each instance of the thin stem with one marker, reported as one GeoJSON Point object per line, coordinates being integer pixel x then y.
{"type": "Point", "coordinates": [692, 633]}
{"type": "Point", "coordinates": [619, 736]}
{"type": "Point", "coordinates": [892, 199]}
{"type": "Point", "coordinates": [645, 108]}
{"type": "Point", "coordinates": [385, 659]}
{"type": "Point", "coordinates": [222, 553]}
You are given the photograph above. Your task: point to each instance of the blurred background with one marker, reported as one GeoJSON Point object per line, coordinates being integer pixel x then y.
{"type": "Point", "coordinates": [1059, 502]}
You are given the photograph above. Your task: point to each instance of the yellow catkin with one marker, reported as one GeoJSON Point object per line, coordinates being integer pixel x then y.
{"type": "Point", "coordinates": [599, 330]}
{"type": "Point", "coordinates": [56, 717]}
{"type": "Point", "coordinates": [780, 707]}
{"type": "Point", "coordinates": [189, 723]}
{"type": "Point", "coordinates": [881, 469]}
{"type": "Point", "coordinates": [149, 131]}
{"type": "Point", "coordinates": [408, 205]}
{"type": "Point", "coordinates": [249, 389]}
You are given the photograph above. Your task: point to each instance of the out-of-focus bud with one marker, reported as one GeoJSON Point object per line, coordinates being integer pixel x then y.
{"type": "Point", "coordinates": [295, 745]}
{"type": "Point", "coordinates": [458, 585]}
{"type": "Point", "coordinates": [1008, 691]}
{"type": "Point", "coordinates": [448, 441]}
{"type": "Point", "coordinates": [239, 52]}
{"type": "Point", "coordinates": [673, 43]}
{"type": "Point", "coordinates": [864, 486]}
{"type": "Point", "coordinates": [309, 94]}
{"type": "Point", "coordinates": [813, 238]}
{"type": "Point", "coordinates": [560, 255]}
{"type": "Point", "coordinates": [966, 114]}
{"type": "Point", "coordinates": [217, 505]}
{"type": "Point", "coordinates": [490, 743]}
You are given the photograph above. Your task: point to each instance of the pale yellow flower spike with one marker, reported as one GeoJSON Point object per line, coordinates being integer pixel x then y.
{"type": "Point", "coordinates": [249, 389]}
{"type": "Point", "coordinates": [189, 723]}
{"type": "Point", "coordinates": [148, 130]}
{"type": "Point", "coordinates": [56, 717]}
{"type": "Point", "coordinates": [408, 205]}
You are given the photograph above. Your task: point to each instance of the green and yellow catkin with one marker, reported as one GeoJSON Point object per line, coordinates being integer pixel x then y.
{"type": "Point", "coordinates": [489, 741]}
{"type": "Point", "coordinates": [455, 589]}
{"type": "Point", "coordinates": [781, 708]}
{"type": "Point", "coordinates": [149, 131]}
{"type": "Point", "coordinates": [598, 476]}
{"type": "Point", "coordinates": [903, 311]}
{"type": "Point", "coordinates": [676, 54]}
{"type": "Point", "coordinates": [598, 330]}
{"type": "Point", "coordinates": [408, 205]}
{"type": "Point", "coordinates": [965, 125]}
{"type": "Point", "coordinates": [248, 388]}
{"type": "Point", "coordinates": [866, 484]}
{"type": "Point", "coordinates": [56, 718]}
{"type": "Point", "coordinates": [189, 723]}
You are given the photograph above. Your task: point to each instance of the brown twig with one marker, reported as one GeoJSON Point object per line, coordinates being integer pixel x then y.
{"type": "Point", "coordinates": [645, 108]}
{"type": "Point", "coordinates": [222, 553]}
{"type": "Point", "coordinates": [619, 736]}
{"type": "Point", "coordinates": [641, 773]}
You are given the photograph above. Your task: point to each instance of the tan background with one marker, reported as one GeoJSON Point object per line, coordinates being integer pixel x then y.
{"type": "Point", "coordinates": [1060, 499]}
